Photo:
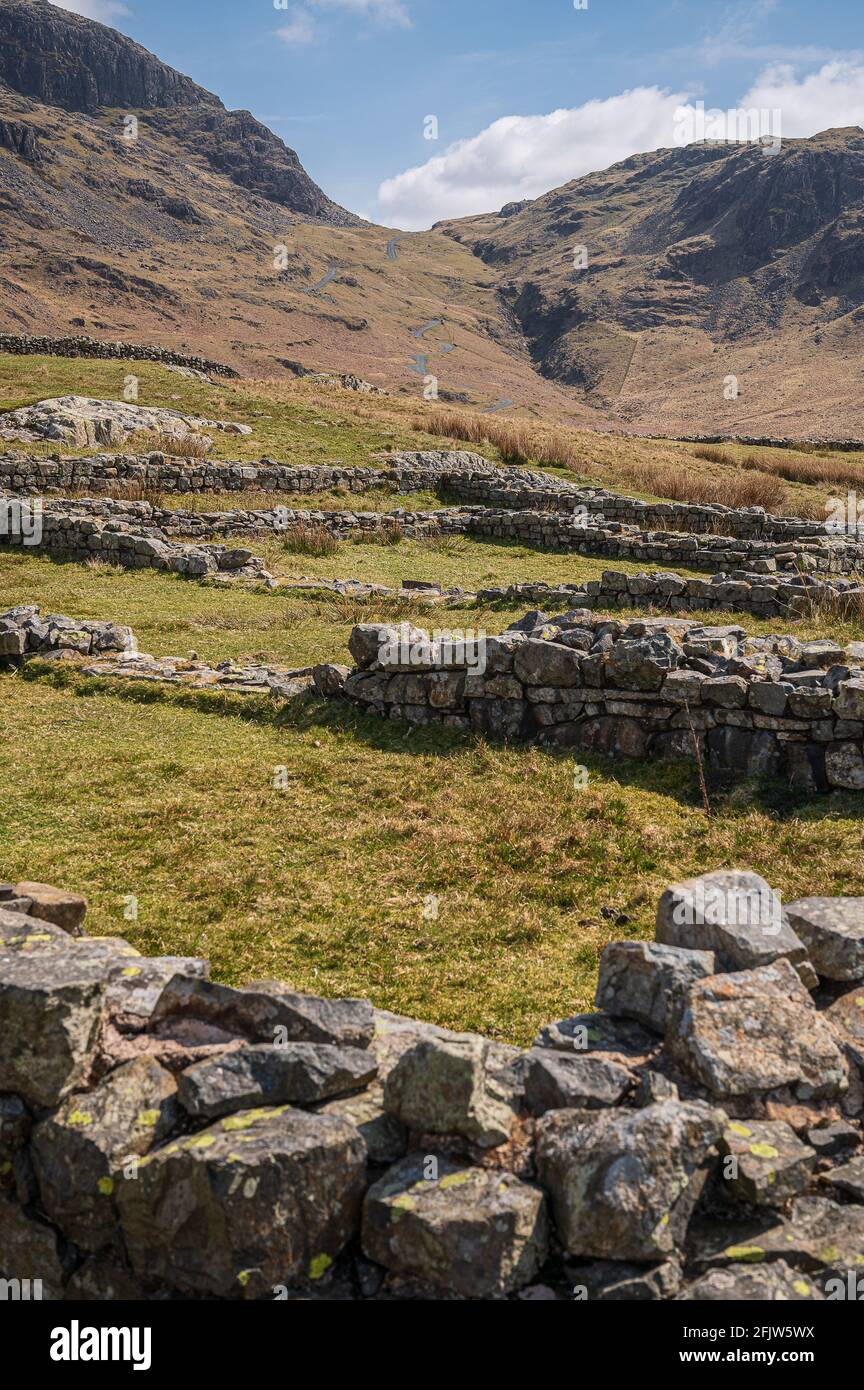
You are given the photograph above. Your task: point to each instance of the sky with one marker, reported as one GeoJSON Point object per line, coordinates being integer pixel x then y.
{"type": "Point", "coordinates": [407, 111]}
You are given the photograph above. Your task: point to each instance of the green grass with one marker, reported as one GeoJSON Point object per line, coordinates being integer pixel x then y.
{"type": "Point", "coordinates": [324, 884]}
{"type": "Point", "coordinates": [117, 789]}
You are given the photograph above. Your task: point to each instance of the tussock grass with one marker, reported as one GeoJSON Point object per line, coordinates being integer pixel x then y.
{"type": "Point", "coordinates": [680, 484]}
{"type": "Point", "coordinates": [309, 538]}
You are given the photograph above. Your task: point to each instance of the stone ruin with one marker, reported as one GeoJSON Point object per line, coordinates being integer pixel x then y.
{"type": "Point", "coordinates": [699, 1137]}
{"type": "Point", "coordinates": [654, 687]}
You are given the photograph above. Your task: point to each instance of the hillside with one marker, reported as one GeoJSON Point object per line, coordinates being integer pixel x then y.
{"type": "Point", "coordinates": [702, 262]}
{"type": "Point", "coordinates": [205, 234]}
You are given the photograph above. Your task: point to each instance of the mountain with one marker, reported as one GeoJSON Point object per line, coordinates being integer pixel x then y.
{"type": "Point", "coordinates": [703, 262]}
{"type": "Point", "coordinates": [205, 234]}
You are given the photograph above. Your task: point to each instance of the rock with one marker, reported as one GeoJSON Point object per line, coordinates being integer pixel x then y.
{"type": "Point", "coordinates": [557, 1080]}
{"type": "Point", "coordinates": [636, 978]}
{"type": "Point", "coordinates": [367, 638]}
{"type": "Point", "coordinates": [818, 1236]}
{"type": "Point", "coordinates": [263, 1074]}
{"type": "Point", "coordinates": [50, 1020]}
{"type": "Point", "coordinates": [329, 679]}
{"type": "Point", "coordinates": [268, 1011]}
{"type": "Point", "coordinates": [133, 987]}
{"type": "Point", "coordinates": [383, 1135]}
{"type": "Point", "coordinates": [54, 905]}
{"type": "Point", "coordinates": [832, 929]}
{"type": "Point", "coordinates": [259, 1199]}
{"type": "Point", "coordinates": [546, 663]}
{"type": "Point", "coordinates": [78, 1150]}
{"type": "Point", "coordinates": [613, 1281]}
{"type": "Point", "coordinates": [641, 663]}
{"type": "Point", "coordinates": [624, 1182]}
{"type": "Point", "coordinates": [848, 1178]}
{"type": "Point", "coordinates": [21, 932]}
{"type": "Point", "coordinates": [844, 766]}
{"type": "Point", "coordinates": [733, 913]}
{"type": "Point", "coordinates": [29, 1257]}
{"type": "Point", "coordinates": [440, 1086]}
{"type": "Point", "coordinates": [770, 1164]}
{"type": "Point", "coordinates": [847, 1013]}
{"type": "Point", "coordinates": [476, 1232]}
{"type": "Point", "coordinates": [754, 1031]}
{"type": "Point", "coordinates": [776, 1282]}
{"type": "Point", "coordinates": [599, 1032]}
{"type": "Point", "coordinates": [833, 1139]}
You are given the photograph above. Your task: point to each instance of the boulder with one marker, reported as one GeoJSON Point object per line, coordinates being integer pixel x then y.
{"type": "Point", "coordinates": [734, 913]}
{"type": "Point", "coordinates": [536, 662]}
{"type": "Point", "coordinates": [832, 930]}
{"type": "Point", "coordinates": [51, 1005]}
{"type": "Point", "coordinates": [754, 1031]}
{"type": "Point", "coordinates": [478, 1233]}
{"type": "Point", "coordinates": [847, 1178]}
{"type": "Point", "coordinates": [766, 1163]}
{"type": "Point", "coordinates": [558, 1081]}
{"type": "Point", "coordinates": [624, 1182]}
{"type": "Point", "coordinates": [636, 978]}
{"type": "Point", "coordinates": [78, 1150]}
{"type": "Point", "coordinates": [264, 1074]}
{"type": "Point", "coordinates": [259, 1199]}
{"type": "Point", "coordinates": [441, 1086]}
{"type": "Point", "coordinates": [267, 1011]}
{"type": "Point", "coordinates": [54, 905]}
{"type": "Point", "coordinates": [774, 1283]}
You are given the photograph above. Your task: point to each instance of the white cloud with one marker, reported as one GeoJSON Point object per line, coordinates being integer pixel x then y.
{"type": "Point", "coordinates": [103, 10]}
{"type": "Point", "coordinates": [832, 96]}
{"type": "Point", "coordinates": [299, 30]}
{"type": "Point", "coordinates": [524, 156]}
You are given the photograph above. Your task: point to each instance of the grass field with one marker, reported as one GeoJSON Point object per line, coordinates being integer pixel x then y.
{"type": "Point", "coordinates": [122, 791]}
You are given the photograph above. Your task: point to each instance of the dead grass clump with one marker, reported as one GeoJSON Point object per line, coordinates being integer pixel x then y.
{"type": "Point", "coordinates": [712, 453]}
{"type": "Point", "coordinates": [305, 538]}
{"type": "Point", "coordinates": [388, 532]}
{"type": "Point", "coordinates": [517, 441]}
{"type": "Point", "coordinates": [739, 489]}
{"type": "Point", "coordinates": [181, 446]}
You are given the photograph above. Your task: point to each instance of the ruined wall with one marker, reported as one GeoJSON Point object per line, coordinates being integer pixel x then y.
{"type": "Point", "coordinates": [652, 688]}
{"type": "Point", "coordinates": [163, 1135]}
{"type": "Point", "coordinates": [25, 344]}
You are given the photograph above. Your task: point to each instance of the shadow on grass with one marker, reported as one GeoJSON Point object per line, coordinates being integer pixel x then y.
{"type": "Point", "coordinates": [729, 795]}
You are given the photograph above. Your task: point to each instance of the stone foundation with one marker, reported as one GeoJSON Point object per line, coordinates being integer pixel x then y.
{"type": "Point", "coordinates": [662, 688]}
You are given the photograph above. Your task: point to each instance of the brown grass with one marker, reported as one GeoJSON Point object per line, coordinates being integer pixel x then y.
{"type": "Point", "coordinates": [517, 441]}
{"type": "Point", "coordinates": [303, 538]}
{"type": "Point", "coordinates": [742, 489]}
{"type": "Point", "coordinates": [179, 446]}
{"type": "Point", "coordinates": [388, 532]}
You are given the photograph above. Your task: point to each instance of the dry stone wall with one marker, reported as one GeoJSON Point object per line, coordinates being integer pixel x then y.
{"type": "Point", "coordinates": [25, 344]}
{"type": "Point", "coordinates": [699, 1137]}
{"type": "Point", "coordinates": [663, 688]}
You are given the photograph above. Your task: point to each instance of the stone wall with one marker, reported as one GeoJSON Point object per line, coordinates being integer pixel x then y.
{"type": "Point", "coordinates": [539, 530]}
{"type": "Point", "coordinates": [656, 687]}
{"type": "Point", "coordinates": [132, 543]}
{"type": "Point", "coordinates": [25, 344]}
{"type": "Point", "coordinates": [458, 475]}
{"type": "Point", "coordinates": [166, 1136]}
{"type": "Point", "coordinates": [767, 594]}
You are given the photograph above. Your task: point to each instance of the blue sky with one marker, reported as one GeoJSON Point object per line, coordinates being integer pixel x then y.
{"type": "Point", "coordinates": [348, 83]}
